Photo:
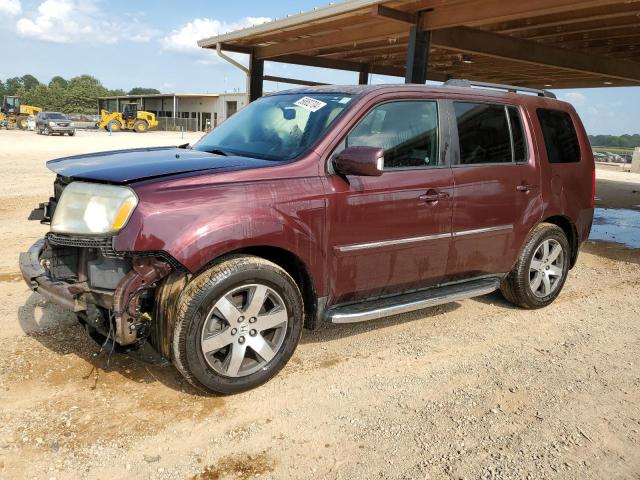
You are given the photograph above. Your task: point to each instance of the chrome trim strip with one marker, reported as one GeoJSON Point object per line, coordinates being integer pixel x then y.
{"type": "Point", "coordinates": [498, 228]}
{"type": "Point", "coordinates": [390, 310]}
{"type": "Point", "coordinates": [386, 243]}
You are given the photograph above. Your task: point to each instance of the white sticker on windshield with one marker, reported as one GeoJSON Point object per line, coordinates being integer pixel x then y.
{"type": "Point", "coordinates": [310, 104]}
{"type": "Point", "coordinates": [345, 100]}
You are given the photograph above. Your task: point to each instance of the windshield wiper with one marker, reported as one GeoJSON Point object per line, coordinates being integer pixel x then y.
{"type": "Point", "coordinates": [218, 151]}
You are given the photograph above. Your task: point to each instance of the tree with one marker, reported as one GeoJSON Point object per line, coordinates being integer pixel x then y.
{"type": "Point", "coordinates": [83, 93]}
{"type": "Point", "coordinates": [12, 85]}
{"type": "Point", "coordinates": [143, 91]}
{"type": "Point", "coordinates": [29, 81]}
{"type": "Point", "coordinates": [58, 80]}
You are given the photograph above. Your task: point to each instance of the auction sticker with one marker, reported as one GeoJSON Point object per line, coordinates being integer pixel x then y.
{"type": "Point", "coordinates": [310, 104]}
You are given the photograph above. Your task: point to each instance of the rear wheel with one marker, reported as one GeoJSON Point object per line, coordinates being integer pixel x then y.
{"type": "Point", "coordinates": [22, 122]}
{"type": "Point", "coordinates": [237, 325]}
{"type": "Point", "coordinates": [113, 126]}
{"type": "Point", "coordinates": [141, 126]}
{"type": "Point", "coordinates": [542, 269]}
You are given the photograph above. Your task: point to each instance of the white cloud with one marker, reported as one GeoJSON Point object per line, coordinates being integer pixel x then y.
{"type": "Point", "coordinates": [67, 21]}
{"type": "Point", "coordinates": [11, 7]}
{"type": "Point", "coordinates": [575, 98]}
{"type": "Point", "coordinates": [185, 38]}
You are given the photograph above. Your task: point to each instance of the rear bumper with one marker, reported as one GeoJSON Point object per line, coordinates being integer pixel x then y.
{"type": "Point", "coordinates": [36, 277]}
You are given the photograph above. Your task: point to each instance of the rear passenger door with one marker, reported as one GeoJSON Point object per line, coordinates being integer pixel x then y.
{"type": "Point", "coordinates": [497, 188]}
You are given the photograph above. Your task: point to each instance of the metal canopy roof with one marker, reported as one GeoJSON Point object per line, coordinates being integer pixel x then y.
{"type": "Point", "coordinates": [533, 43]}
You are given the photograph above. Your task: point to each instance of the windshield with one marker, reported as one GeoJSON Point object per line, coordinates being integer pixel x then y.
{"type": "Point", "coordinates": [56, 116]}
{"type": "Point", "coordinates": [279, 127]}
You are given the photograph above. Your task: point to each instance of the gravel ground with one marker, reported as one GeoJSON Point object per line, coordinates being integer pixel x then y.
{"type": "Point", "coordinates": [476, 389]}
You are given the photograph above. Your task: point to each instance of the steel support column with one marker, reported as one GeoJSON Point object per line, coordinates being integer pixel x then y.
{"type": "Point", "coordinates": [364, 75]}
{"type": "Point", "coordinates": [256, 77]}
{"type": "Point", "coordinates": [418, 55]}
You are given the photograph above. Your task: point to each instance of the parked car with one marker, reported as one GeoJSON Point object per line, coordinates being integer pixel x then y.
{"type": "Point", "coordinates": [48, 123]}
{"type": "Point", "coordinates": [325, 204]}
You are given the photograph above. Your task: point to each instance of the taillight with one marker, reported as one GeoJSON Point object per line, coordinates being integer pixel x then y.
{"type": "Point", "coordinates": [593, 188]}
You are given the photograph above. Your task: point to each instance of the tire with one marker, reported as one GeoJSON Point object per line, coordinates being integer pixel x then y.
{"type": "Point", "coordinates": [539, 275]}
{"type": "Point", "coordinates": [71, 134]}
{"type": "Point", "coordinates": [113, 126]}
{"type": "Point", "coordinates": [46, 131]}
{"type": "Point", "coordinates": [141, 126]}
{"type": "Point", "coordinates": [216, 362]}
{"type": "Point", "coordinates": [21, 122]}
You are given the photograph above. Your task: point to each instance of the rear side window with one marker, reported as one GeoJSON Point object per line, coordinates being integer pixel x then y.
{"type": "Point", "coordinates": [560, 136]}
{"type": "Point", "coordinates": [484, 133]}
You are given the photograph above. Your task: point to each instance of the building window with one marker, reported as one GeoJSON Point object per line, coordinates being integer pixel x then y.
{"type": "Point", "coordinates": [232, 108]}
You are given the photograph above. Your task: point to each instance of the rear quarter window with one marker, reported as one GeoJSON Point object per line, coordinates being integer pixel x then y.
{"type": "Point", "coordinates": [560, 137]}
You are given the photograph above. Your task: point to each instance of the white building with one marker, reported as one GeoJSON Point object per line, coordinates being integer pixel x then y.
{"type": "Point", "coordinates": [191, 111]}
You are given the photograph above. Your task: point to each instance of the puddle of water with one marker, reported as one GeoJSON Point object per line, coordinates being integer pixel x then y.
{"type": "Point", "coordinates": [616, 225]}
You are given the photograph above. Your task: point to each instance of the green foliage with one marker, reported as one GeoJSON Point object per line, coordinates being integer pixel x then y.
{"type": "Point", "coordinates": [76, 95]}
{"type": "Point", "coordinates": [620, 141]}
{"type": "Point", "coordinates": [143, 91]}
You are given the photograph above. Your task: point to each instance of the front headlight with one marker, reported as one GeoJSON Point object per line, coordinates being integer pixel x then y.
{"type": "Point", "coordinates": [71, 124]}
{"type": "Point", "coordinates": [93, 208]}
{"type": "Point", "coordinates": [52, 124]}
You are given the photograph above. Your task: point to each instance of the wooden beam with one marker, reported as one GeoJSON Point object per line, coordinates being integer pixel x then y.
{"type": "Point", "coordinates": [469, 40]}
{"type": "Point", "coordinates": [292, 81]}
{"type": "Point", "coordinates": [393, 71]}
{"type": "Point", "coordinates": [349, 36]}
{"type": "Point", "coordinates": [393, 14]}
{"type": "Point", "coordinates": [479, 12]}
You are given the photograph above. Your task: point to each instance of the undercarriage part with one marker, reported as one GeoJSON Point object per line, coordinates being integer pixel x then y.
{"type": "Point", "coordinates": [166, 304]}
{"type": "Point", "coordinates": [129, 318]}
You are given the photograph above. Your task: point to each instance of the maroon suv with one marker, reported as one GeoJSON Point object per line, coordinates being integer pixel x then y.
{"type": "Point", "coordinates": [329, 204]}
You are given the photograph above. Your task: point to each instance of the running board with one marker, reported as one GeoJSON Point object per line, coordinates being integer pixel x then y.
{"type": "Point", "coordinates": [385, 307]}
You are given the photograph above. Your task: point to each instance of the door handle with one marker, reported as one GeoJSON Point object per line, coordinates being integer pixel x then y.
{"type": "Point", "coordinates": [525, 188]}
{"type": "Point", "coordinates": [433, 196]}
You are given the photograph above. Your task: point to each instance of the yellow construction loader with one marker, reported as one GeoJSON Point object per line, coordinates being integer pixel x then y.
{"type": "Point", "coordinates": [13, 113]}
{"type": "Point", "coordinates": [130, 119]}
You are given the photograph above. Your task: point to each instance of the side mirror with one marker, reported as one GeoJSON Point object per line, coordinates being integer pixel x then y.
{"type": "Point", "coordinates": [362, 161]}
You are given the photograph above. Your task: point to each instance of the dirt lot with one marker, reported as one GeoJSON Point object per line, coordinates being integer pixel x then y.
{"type": "Point", "coordinates": [475, 389]}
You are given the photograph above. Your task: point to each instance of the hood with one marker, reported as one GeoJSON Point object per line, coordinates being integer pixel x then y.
{"type": "Point", "coordinates": [124, 166]}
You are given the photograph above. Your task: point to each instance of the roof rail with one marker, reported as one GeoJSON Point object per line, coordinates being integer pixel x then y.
{"type": "Point", "coordinates": [456, 82]}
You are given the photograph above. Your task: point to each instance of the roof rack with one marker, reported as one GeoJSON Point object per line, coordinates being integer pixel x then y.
{"type": "Point", "coordinates": [455, 82]}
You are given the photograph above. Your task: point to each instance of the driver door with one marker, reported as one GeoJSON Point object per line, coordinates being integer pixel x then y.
{"type": "Point", "coordinates": [392, 233]}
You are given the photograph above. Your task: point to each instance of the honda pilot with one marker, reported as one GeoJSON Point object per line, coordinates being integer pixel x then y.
{"type": "Point", "coordinates": [324, 204]}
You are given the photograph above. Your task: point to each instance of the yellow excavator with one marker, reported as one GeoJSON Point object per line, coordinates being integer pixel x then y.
{"type": "Point", "coordinates": [130, 119]}
{"type": "Point", "coordinates": [13, 113]}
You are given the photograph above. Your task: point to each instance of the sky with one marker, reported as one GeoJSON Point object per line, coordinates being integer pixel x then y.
{"type": "Point", "coordinates": [153, 44]}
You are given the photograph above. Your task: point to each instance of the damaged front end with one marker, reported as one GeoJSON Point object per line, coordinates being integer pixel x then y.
{"type": "Point", "coordinates": [114, 294]}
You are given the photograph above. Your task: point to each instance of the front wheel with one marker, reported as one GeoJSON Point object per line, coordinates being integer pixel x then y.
{"type": "Point", "coordinates": [541, 270]}
{"type": "Point", "coordinates": [237, 325]}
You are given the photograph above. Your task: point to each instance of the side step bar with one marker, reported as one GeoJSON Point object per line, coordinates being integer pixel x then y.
{"type": "Point", "coordinates": [385, 307]}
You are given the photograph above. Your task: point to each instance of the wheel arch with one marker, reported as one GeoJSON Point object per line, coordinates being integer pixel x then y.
{"type": "Point", "coordinates": [570, 230]}
{"type": "Point", "coordinates": [290, 263]}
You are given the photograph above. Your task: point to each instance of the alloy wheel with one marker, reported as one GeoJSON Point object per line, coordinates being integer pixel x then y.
{"type": "Point", "coordinates": [244, 330]}
{"type": "Point", "coordinates": [547, 268]}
